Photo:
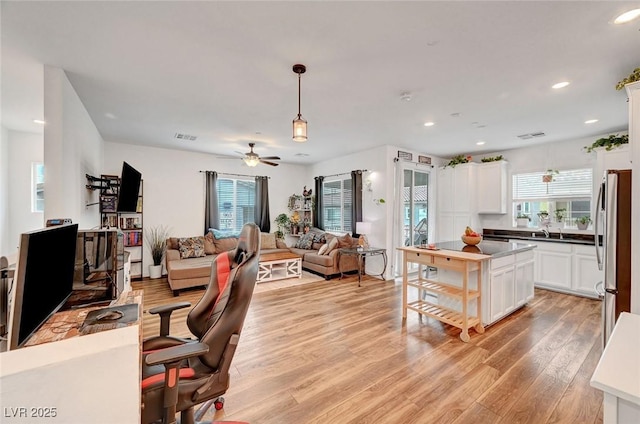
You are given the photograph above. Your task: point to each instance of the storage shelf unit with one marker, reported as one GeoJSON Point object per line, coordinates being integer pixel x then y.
{"type": "Point", "coordinates": [130, 223]}
{"type": "Point", "coordinates": [460, 262]}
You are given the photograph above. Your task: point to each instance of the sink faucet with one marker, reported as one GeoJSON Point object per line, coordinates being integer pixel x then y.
{"type": "Point", "coordinates": [560, 231]}
{"type": "Point", "coordinates": [545, 231]}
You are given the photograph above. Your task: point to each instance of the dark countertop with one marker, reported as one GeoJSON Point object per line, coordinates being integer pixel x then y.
{"type": "Point", "coordinates": [495, 249]}
{"type": "Point", "coordinates": [554, 237]}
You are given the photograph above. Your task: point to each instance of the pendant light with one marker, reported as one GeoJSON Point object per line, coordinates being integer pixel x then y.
{"type": "Point", "coordinates": [299, 124]}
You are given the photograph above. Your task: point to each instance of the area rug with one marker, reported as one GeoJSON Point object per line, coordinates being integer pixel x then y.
{"type": "Point", "coordinates": [307, 278]}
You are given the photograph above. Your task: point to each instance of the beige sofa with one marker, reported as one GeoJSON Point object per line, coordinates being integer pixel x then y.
{"type": "Point", "coordinates": [195, 271]}
{"type": "Point", "coordinates": [330, 264]}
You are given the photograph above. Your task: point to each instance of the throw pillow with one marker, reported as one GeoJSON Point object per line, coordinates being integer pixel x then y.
{"type": "Point", "coordinates": [225, 244]}
{"type": "Point", "coordinates": [267, 241]}
{"type": "Point", "coordinates": [318, 237]}
{"type": "Point", "coordinates": [331, 246]}
{"type": "Point", "coordinates": [323, 249]}
{"type": "Point", "coordinates": [345, 241]}
{"type": "Point", "coordinates": [209, 244]}
{"type": "Point", "coordinates": [224, 234]}
{"type": "Point", "coordinates": [305, 242]}
{"type": "Point", "coordinates": [191, 247]}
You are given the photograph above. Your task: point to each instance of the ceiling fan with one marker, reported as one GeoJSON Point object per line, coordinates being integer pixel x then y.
{"type": "Point", "coordinates": [253, 159]}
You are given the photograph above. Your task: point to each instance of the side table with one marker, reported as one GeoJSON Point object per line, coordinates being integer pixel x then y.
{"type": "Point", "coordinates": [361, 253]}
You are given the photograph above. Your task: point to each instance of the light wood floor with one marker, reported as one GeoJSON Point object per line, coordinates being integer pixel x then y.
{"type": "Point", "coordinates": [333, 352]}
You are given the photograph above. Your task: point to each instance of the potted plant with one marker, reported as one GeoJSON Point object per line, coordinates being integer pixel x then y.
{"type": "Point", "coordinates": [609, 143]}
{"type": "Point", "coordinates": [548, 175]}
{"type": "Point", "coordinates": [156, 238]}
{"type": "Point", "coordinates": [583, 222]}
{"type": "Point", "coordinates": [283, 222]}
{"type": "Point", "coordinates": [633, 77]}
{"type": "Point", "coordinates": [295, 221]}
{"type": "Point", "coordinates": [560, 214]}
{"type": "Point", "coordinates": [458, 160]}
{"type": "Point", "coordinates": [491, 159]}
{"type": "Point", "coordinates": [522, 220]}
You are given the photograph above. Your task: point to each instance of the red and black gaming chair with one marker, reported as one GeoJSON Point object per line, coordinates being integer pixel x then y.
{"type": "Point", "coordinates": [181, 373]}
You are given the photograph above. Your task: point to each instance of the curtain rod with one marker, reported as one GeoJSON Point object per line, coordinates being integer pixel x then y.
{"type": "Point", "coordinates": [344, 173]}
{"type": "Point", "coordinates": [238, 175]}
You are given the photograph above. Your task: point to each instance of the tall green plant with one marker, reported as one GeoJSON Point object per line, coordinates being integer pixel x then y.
{"type": "Point", "coordinates": [156, 238]}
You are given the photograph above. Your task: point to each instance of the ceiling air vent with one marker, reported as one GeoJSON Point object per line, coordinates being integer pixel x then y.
{"type": "Point", "coordinates": [529, 136]}
{"type": "Point", "coordinates": [188, 137]}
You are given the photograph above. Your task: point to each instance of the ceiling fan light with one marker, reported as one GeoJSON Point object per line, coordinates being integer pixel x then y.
{"type": "Point", "coordinates": [251, 160]}
{"type": "Point", "coordinates": [299, 129]}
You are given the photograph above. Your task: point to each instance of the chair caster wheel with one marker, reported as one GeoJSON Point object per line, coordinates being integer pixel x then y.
{"type": "Point", "coordinates": [219, 403]}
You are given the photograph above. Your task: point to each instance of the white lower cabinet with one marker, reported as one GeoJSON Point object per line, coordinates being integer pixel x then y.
{"type": "Point", "coordinates": [511, 284]}
{"type": "Point", "coordinates": [565, 267]}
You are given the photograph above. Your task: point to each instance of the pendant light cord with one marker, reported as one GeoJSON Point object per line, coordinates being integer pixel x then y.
{"type": "Point", "coordinates": [299, 95]}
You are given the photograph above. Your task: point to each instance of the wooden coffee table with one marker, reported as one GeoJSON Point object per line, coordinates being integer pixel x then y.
{"type": "Point", "coordinates": [278, 266]}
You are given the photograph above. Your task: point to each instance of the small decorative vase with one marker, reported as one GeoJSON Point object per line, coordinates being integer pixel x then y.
{"type": "Point", "coordinates": [155, 271]}
{"type": "Point", "coordinates": [582, 226]}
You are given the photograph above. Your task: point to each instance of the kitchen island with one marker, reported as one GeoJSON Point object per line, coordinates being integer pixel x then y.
{"type": "Point", "coordinates": [474, 286]}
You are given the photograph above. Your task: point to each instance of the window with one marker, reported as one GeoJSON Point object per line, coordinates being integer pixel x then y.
{"type": "Point", "coordinates": [569, 194]}
{"type": "Point", "coordinates": [336, 200]}
{"type": "Point", "coordinates": [37, 187]}
{"type": "Point", "coordinates": [236, 200]}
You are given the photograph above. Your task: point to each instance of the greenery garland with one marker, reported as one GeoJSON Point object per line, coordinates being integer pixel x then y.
{"type": "Point", "coordinates": [609, 143]}
{"type": "Point", "coordinates": [633, 77]}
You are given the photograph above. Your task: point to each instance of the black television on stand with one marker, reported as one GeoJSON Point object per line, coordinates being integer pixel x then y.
{"type": "Point", "coordinates": [43, 279]}
{"type": "Point", "coordinates": [130, 180]}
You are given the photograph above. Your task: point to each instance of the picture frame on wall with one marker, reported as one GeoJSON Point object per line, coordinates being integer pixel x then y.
{"type": "Point", "coordinates": [405, 155]}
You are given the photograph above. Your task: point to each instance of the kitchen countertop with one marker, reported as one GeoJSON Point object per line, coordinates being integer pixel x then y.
{"type": "Point", "coordinates": [495, 249]}
{"type": "Point", "coordinates": [554, 237]}
{"type": "Point", "coordinates": [618, 371]}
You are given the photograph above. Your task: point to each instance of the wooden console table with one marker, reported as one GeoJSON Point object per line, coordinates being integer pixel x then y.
{"type": "Point", "coordinates": [446, 259]}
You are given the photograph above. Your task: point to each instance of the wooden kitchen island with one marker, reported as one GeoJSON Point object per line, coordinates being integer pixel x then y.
{"type": "Point", "coordinates": [475, 286]}
{"type": "Point", "coordinates": [461, 262]}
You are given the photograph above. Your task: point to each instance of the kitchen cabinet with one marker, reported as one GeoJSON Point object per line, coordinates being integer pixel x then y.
{"type": "Point", "coordinates": [565, 267]}
{"type": "Point", "coordinates": [585, 270]}
{"type": "Point", "coordinates": [456, 201]}
{"type": "Point", "coordinates": [618, 158]}
{"type": "Point", "coordinates": [524, 277]}
{"type": "Point", "coordinates": [502, 282]}
{"type": "Point", "coordinates": [491, 186]}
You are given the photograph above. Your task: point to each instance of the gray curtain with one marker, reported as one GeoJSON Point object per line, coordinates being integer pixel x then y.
{"type": "Point", "coordinates": [356, 199]}
{"type": "Point", "coordinates": [261, 207]}
{"type": "Point", "coordinates": [317, 212]}
{"type": "Point", "coordinates": [211, 218]}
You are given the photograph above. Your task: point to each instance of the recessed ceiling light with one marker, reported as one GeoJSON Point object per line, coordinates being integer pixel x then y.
{"type": "Point", "coordinates": [627, 16]}
{"type": "Point", "coordinates": [591, 121]}
{"type": "Point", "coordinates": [562, 84]}
{"type": "Point", "coordinates": [429, 124]}
{"type": "Point", "coordinates": [39, 121]}
{"type": "Point", "coordinates": [480, 143]}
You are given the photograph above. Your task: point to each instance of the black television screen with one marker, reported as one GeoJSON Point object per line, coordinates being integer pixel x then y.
{"type": "Point", "coordinates": [129, 189]}
{"type": "Point", "coordinates": [43, 279]}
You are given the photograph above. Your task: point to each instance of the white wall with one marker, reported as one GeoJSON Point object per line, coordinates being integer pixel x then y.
{"type": "Point", "coordinates": [562, 155]}
{"type": "Point", "coordinates": [173, 187]}
{"type": "Point", "coordinates": [4, 192]}
{"type": "Point", "coordinates": [24, 149]}
{"type": "Point", "coordinates": [72, 148]}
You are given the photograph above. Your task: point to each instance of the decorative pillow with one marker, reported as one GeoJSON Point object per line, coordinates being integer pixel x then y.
{"type": "Point", "coordinates": [225, 244]}
{"type": "Point", "coordinates": [191, 247]}
{"type": "Point", "coordinates": [280, 244]}
{"type": "Point", "coordinates": [172, 243]}
{"type": "Point", "coordinates": [331, 246]}
{"type": "Point", "coordinates": [323, 249]}
{"type": "Point", "coordinates": [305, 241]}
{"type": "Point", "coordinates": [319, 237]}
{"type": "Point", "coordinates": [345, 240]}
{"type": "Point", "coordinates": [267, 241]}
{"type": "Point", "coordinates": [224, 234]}
{"type": "Point", "coordinates": [209, 244]}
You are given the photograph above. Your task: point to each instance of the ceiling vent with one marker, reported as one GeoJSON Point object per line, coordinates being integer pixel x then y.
{"type": "Point", "coordinates": [188, 137]}
{"type": "Point", "coordinates": [529, 136]}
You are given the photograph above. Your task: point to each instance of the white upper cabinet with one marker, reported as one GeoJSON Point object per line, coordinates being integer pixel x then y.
{"type": "Point", "coordinates": [457, 205]}
{"type": "Point", "coordinates": [492, 187]}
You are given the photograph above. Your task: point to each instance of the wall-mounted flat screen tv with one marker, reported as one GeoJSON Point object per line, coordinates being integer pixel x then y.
{"type": "Point", "coordinates": [43, 279]}
{"type": "Point", "coordinates": [129, 189]}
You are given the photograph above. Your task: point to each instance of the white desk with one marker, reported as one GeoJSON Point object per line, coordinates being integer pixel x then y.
{"type": "Point", "coordinates": [618, 372]}
{"type": "Point", "coordinates": [81, 379]}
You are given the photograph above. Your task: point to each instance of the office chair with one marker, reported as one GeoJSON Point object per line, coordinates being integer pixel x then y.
{"type": "Point", "coordinates": [181, 373]}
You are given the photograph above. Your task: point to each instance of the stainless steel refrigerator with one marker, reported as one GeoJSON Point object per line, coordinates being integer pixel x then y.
{"type": "Point", "coordinates": [612, 225]}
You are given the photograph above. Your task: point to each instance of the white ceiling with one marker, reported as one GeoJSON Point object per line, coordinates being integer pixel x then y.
{"type": "Point", "coordinates": [222, 71]}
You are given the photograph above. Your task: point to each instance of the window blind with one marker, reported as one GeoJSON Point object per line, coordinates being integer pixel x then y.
{"type": "Point", "coordinates": [236, 200]}
{"type": "Point", "coordinates": [574, 183]}
{"type": "Point", "coordinates": [337, 205]}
